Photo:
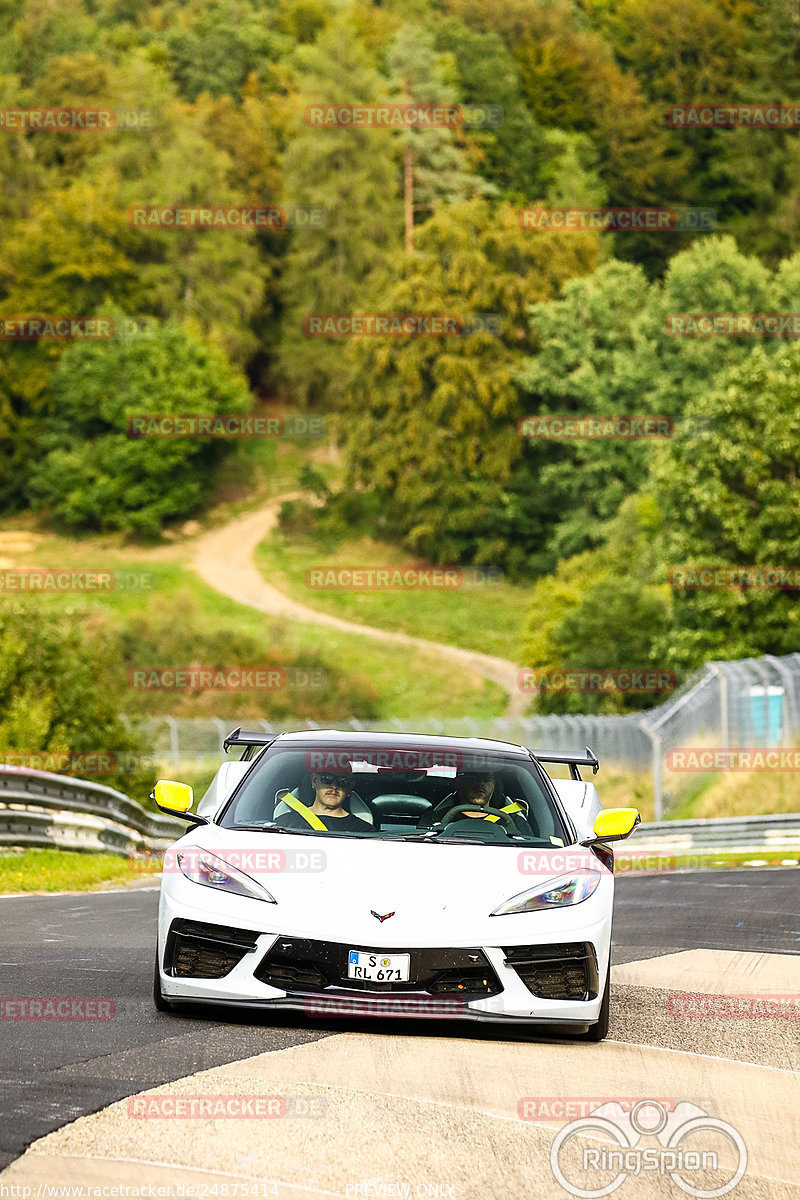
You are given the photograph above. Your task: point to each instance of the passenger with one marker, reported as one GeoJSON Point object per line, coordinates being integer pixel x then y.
{"type": "Point", "coordinates": [330, 809]}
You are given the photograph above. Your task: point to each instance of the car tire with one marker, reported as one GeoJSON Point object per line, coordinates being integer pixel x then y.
{"type": "Point", "coordinates": [161, 1003]}
{"type": "Point", "coordinates": [599, 1030]}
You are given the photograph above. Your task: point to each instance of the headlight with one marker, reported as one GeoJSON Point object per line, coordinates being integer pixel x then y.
{"type": "Point", "coordinates": [201, 866]}
{"type": "Point", "coordinates": [554, 893]}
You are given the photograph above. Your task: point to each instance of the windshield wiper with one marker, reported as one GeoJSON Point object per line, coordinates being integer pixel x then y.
{"type": "Point", "coordinates": [268, 828]}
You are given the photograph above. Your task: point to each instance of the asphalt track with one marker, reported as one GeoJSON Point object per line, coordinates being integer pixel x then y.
{"type": "Point", "coordinates": [102, 945]}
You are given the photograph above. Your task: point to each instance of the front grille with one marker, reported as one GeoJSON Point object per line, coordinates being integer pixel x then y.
{"type": "Point", "coordinates": [305, 965]}
{"type": "Point", "coordinates": [561, 972]}
{"type": "Point", "coordinates": [196, 950]}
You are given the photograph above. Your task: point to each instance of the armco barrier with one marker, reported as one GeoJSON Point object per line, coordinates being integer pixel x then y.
{"type": "Point", "coordinates": [759, 835]}
{"type": "Point", "coordinates": [39, 808]}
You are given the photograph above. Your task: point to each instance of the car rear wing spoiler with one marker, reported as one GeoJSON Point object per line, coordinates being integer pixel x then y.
{"type": "Point", "coordinates": [573, 761]}
{"type": "Point", "coordinates": [247, 738]}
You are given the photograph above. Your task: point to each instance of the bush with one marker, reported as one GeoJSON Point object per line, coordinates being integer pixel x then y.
{"type": "Point", "coordinates": [91, 474]}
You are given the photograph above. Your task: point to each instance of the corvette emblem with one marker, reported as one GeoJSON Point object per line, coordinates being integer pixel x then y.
{"type": "Point", "coordinates": [378, 917]}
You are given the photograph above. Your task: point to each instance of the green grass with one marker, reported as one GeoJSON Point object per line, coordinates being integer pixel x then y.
{"type": "Point", "coordinates": [489, 618]}
{"type": "Point", "coordinates": [404, 682]}
{"type": "Point", "coordinates": [65, 870]}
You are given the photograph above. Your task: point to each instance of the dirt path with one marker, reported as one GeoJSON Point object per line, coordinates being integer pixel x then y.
{"type": "Point", "coordinates": [224, 559]}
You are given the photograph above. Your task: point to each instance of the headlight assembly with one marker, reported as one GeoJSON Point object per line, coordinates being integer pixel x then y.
{"type": "Point", "coordinates": [203, 867]}
{"type": "Point", "coordinates": [561, 892]}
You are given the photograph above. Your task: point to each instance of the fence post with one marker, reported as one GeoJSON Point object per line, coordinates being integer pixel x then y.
{"type": "Point", "coordinates": [658, 779]}
{"type": "Point", "coordinates": [174, 741]}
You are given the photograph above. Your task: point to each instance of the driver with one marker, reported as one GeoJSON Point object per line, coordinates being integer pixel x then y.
{"type": "Point", "coordinates": [478, 788]}
{"type": "Point", "coordinates": [330, 809]}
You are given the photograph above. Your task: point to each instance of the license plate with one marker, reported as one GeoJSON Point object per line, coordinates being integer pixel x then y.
{"type": "Point", "coordinates": [381, 968]}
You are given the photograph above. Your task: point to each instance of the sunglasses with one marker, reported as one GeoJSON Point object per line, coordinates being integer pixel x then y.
{"type": "Point", "coordinates": [338, 781]}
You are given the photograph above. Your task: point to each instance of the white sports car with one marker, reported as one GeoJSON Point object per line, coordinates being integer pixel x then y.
{"type": "Point", "coordinates": [390, 875]}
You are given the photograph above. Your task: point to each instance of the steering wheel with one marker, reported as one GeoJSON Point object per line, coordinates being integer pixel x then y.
{"type": "Point", "coordinates": [505, 818]}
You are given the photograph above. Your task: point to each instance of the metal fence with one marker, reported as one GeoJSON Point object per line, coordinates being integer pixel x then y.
{"type": "Point", "coordinates": [749, 702]}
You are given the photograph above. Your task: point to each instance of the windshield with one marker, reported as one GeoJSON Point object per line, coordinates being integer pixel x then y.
{"type": "Point", "coordinates": [436, 794]}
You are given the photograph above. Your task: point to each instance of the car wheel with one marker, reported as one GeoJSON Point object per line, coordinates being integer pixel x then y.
{"type": "Point", "coordinates": [599, 1030]}
{"type": "Point", "coordinates": [162, 1004]}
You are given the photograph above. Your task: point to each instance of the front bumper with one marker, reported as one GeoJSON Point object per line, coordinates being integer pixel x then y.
{"type": "Point", "coordinates": [522, 980]}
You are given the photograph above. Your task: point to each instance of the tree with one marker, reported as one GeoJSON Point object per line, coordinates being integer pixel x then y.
{"type": "Point", "coordinates": [603, 350]}
{"type": "Point", "coordinates": [434, 166]}
{"type": "Point", "coordinates": [731, 499]}
{"type": "Point", "coordinates": [349, 174]}
{"type": "Point", "coordinates": [432, 420]}
{"type": "Point", "coordinates": [50, 701]}
{"type": "Point", "coordinates": [513, 152]}
{"type": "Point", "coordinates": [601, 609]}
{"type": "Point", "coordinates": [90, 473]}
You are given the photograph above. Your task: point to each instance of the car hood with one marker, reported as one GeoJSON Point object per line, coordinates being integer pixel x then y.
{"type": "Point", "coordinates": [339, 883]}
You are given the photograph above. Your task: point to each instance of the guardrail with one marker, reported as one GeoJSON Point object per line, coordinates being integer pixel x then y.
{"type": "Point", "coordinates": [41, 809]}
{"type": "Point", "coordinates": [761, 835]}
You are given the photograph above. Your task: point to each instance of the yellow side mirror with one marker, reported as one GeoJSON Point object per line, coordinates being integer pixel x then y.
{"type": "Point", "coordinates": [614, 824]}
{"type": "Point", "coordinates": [173, 796]}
